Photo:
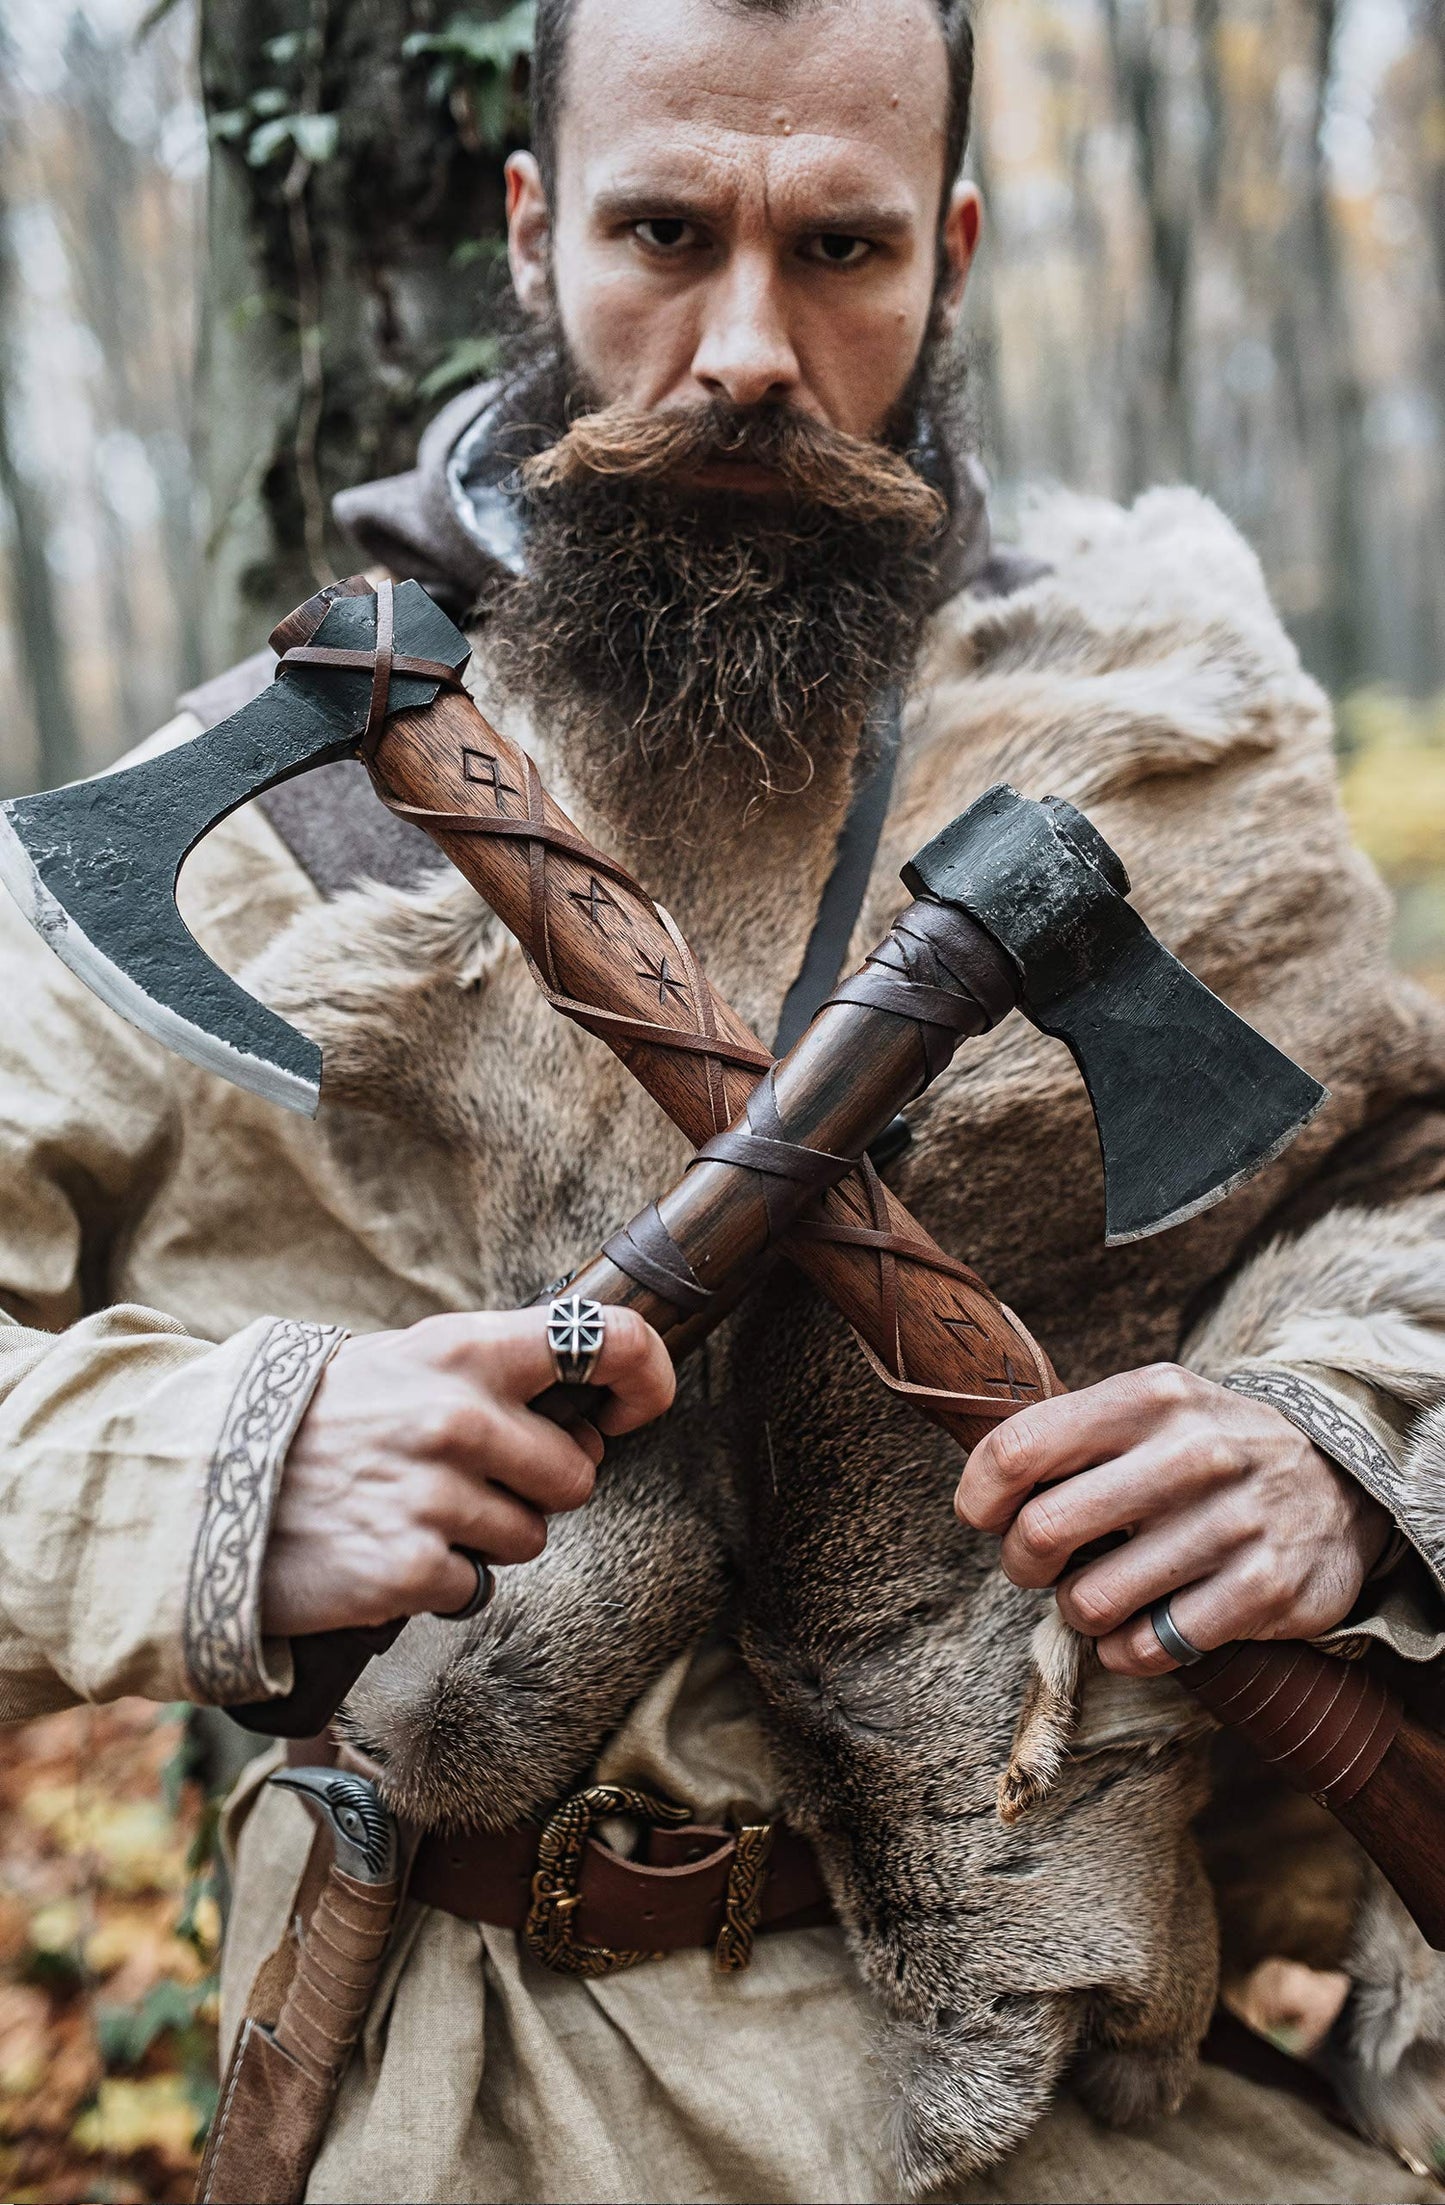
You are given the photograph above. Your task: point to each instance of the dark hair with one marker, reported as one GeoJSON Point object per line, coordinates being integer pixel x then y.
{"type": "Point", "coordinates": [549, 69]}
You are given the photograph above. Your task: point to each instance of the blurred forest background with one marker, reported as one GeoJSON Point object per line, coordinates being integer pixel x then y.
{"type": "Point", "coordinates": [248, 246]}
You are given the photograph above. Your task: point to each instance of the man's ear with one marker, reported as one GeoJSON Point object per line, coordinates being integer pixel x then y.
{"type": "Point", "coordinates": [961, 227]}
{"type": "Point", "coordinates": [529, 233]}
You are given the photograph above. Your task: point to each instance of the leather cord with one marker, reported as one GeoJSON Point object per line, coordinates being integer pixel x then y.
{"type": "Point", "coordinates": [541, 838]}
{"type": "Point", "coordinates": [381, 662]}
{"type": "Point", "coordinates": [647, 1252]}
{"type": "Point", "coordinates": [759, 1144]}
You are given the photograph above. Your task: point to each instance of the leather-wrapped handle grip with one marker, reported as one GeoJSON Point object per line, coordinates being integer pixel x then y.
{"type": "Point", "coordinates": [1334, 1730]}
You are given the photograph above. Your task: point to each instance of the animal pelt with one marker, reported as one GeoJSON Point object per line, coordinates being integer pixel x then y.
{"type": "Point", "coordinates": [1146, 678]}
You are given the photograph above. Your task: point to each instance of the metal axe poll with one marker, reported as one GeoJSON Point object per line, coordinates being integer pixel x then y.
{"type": "Point", "coordinates": [1019, 903]}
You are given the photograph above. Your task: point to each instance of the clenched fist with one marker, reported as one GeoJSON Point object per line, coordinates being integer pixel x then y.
{"type": "Point", "coordinates": [1223, 1503]}
{"type": "Point", "coordinates": [421, 1442]}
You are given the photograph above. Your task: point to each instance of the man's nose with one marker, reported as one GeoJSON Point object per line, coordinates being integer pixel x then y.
{"type": "Point", "coordinates": [745, 352]}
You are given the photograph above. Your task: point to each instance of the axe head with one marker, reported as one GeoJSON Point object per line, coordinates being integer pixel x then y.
{"type": "Point", "coordinates": [94, 866]}
{"type": "Point", "coordinates": [1189, 1101]}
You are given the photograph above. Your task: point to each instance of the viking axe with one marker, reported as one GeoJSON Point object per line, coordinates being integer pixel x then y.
{"type": "Point", "coordinates": [1043, 889]}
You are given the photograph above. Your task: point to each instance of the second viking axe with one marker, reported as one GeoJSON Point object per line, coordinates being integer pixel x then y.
{"type": "Point", "coordinates": [1031, 889]}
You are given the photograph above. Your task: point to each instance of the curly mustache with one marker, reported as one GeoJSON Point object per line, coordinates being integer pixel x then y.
{"type": "Point", "coordinates": [852, 478]}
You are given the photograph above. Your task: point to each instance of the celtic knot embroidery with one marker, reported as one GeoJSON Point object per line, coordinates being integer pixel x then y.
{"type": "Point", "coordinates": [221, 1637]}
{"type": "Point", "coordinates": [1331, 1428]}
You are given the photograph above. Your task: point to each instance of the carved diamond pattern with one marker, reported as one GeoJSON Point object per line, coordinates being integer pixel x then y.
{"type": "Point", "coordinates": [484, 771]}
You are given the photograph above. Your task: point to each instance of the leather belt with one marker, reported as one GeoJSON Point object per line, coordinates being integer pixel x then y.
{"type": "Point", "coordinates": [584, 1909]}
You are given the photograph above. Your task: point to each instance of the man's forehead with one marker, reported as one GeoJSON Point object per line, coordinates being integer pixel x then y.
{"type": "Point", "coordinates": [656, 80]}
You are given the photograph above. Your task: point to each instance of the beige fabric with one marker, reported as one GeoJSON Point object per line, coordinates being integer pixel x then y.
{"type": "Point", "coordinates": [109, 1442]}
{"type": "Point", "coordinates": [483, 2078]}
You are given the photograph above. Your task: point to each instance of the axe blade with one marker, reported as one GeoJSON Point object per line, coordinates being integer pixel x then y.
{"type": "Point", "coordinates": [1189, 1101]}
{"type": "Point", "coordinates": [93, 867]}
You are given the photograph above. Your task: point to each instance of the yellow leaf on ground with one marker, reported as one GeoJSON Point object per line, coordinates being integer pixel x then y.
{"type": "Point", "coordinates": [133, 1843]}
{"type": "Point", "coordinates": [153, 2114]}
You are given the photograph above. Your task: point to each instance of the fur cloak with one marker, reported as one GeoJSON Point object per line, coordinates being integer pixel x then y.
{"type": "Point", "coordinates": [1145, 677]}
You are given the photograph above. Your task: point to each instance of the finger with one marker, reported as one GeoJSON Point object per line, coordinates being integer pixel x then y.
{"type": "Point", "coordinates": [1165, 1556]}
{"type": "Point", "coordinates": [488, 1517]}
{"type": "Point", "coordinates": [507, 1351]}
{"type": "Point", "coordinates": [637, 1371]}
{"type": "Point", "coordinates": [1054, 1439]}
{"type": "Point", "coordinates": [585, 1435]}
{"type": "Point", "coordinates": [545, 1467]}
{"type": "Point", "coordinates": [1149, 1482]}
{"type": "Point", "coordinates": [1232, 1603]}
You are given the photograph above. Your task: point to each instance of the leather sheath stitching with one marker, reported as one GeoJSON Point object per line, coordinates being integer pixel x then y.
{"type": "Point", "coordinates": [222, 1640]}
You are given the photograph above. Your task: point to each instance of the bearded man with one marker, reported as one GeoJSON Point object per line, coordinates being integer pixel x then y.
{"type": "Point", "coordinates": [714, 523]}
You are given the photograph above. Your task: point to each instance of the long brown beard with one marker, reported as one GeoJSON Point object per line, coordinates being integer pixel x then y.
{"type": "Point", "coordinates": [709, 638]}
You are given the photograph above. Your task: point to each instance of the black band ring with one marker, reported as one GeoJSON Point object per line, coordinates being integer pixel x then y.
{"type": "Point", "coordinates": [481, 1598]}
{"type": "Point", "coordinates": [1170, 1637]}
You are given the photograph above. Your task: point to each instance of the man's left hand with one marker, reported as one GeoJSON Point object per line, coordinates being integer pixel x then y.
{"type": "Point", "coordinates": [1226, 1507]}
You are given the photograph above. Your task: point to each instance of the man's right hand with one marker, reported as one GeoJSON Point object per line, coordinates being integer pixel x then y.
{"type": "Point", "coordinates": [420, 1442]}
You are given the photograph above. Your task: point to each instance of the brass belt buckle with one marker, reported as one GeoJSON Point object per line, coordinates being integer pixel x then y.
{"type": "Point", "coordinates": [547, 1932]}
{"type": "Point", "coordinates": [743, 1903]}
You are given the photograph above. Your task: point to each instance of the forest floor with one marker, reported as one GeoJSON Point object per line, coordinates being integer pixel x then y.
{"type": "Point", "coordinates": [108, 1937]}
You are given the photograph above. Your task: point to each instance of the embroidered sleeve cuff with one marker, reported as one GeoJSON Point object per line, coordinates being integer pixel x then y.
{"type": "Point", "coordinates": [1403, 1602]}
{"type": "Point", "coordinates": [1323, 1418]}
{"type": "Point", "coordinates": [227, 1661]}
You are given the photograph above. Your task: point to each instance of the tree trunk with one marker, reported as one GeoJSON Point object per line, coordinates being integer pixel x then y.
{"type": "Point", "coordinates": [355, 263]}
{"type": "Point", "coordinates": [32, 588]}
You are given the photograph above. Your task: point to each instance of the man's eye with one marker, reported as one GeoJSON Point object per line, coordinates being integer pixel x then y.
{"type": "Point", "coordinates": [831, 249]}
{"type": "Point", "coordinates": [666, 233]}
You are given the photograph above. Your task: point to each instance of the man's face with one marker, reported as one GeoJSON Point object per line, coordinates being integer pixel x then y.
{"type": "Point", "coordinates": [747, 208]}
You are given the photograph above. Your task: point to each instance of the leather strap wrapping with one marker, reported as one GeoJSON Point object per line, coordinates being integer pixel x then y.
{"type": "Point", "coordinates": [612, 960]}
{"type": "Point", "coordinates": [647, 1252]}
{"type": "Point", "coordinates": [1325, 1723]}
{"type": "Point", "coordinates": [325, 2008]}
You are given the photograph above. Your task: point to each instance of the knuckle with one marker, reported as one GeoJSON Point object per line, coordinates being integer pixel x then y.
{"type": "Point", "coordinates": [628, 1335]}
{"type": "Point", "coordinates": [1038, 1530]}
{"type": "Point", "coordinates": [1012, 1444]}
{"type": "Point", "coordinates": [524, 1539]}
{"type": "Point", "coordinates": [438, 1431]}
{"type": "Point", "coordinates": [414, 1565]}
{"type": "Point", "coordinates": [571, 1485]}
{"type": "Point", "coordinates": [1215, 1457]}
{"type": "Point", "coordinates": [1169, 1386]}
{"type": "Point", "coordinates": [1094, 1605]}
{"type": "Point", "coordinates": [1260, 1578]}
{"type": "Point", "coordinates": [443, 1340]}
